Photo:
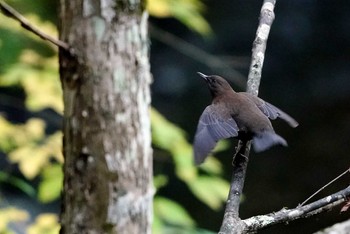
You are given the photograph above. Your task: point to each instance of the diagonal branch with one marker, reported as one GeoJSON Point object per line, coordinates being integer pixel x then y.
{"type": "Point", "coordinates": [329, 183]}
{"type": "Point", "coordinates": [231, 222]}
{"type": "Point", "coordinates": [284, 215]}
{"type": "Point", "coordinates": [12, 13]}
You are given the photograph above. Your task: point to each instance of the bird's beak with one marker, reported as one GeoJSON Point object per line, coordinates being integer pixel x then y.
{"type": "Point", "coordinates": [205, 77]}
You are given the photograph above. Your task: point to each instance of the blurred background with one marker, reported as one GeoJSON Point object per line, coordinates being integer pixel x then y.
{"type": "Point", "coordinates": [306, 73]}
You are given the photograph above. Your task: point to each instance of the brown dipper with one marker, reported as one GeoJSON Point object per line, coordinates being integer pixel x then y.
{"type": "Point", "coordinates": [240, 115]}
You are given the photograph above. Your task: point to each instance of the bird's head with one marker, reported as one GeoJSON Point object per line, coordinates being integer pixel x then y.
{"type": "Point", "coordinates": [217, 85]}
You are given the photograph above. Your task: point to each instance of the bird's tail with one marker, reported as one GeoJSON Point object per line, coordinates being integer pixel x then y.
{"type": "Point", "coordinates": [264, 140]}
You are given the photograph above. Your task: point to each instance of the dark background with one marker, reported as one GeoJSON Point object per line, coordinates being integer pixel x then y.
{"type": "Point", "coordinates": [305, 73]}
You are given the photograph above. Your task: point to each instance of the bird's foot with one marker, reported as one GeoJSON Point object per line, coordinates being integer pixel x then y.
{"type": "Point", "coordinates": [238, 149]}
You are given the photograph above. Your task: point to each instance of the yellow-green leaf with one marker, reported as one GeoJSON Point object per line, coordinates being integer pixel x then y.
{"type": "Point", "coordinates": [11, 214]}
{"type": "Point", "coordinates": [171, 212]}
{"type": "Point", "coordinates": [187, 12]}
{"type": "Point", "coordinates": [168, 136]}
{"type": "Point", "coordinates": [45, 224]}
{"type": "Point", "coordinates": [51, 184]}
{"type": "Point", "coordinates": [213, 191]}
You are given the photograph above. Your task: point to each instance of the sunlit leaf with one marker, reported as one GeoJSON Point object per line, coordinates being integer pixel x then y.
{"type": "Point", "coordinates": [171, 212]}
{"type": "Point", "coordinates": [53, 146]}
{"type": "Point", "coordinates": [51, 184]}
{"type": "Point", "coordinates": [30, 160]}
{"type": "Point", "coordinates": [210, 190]}
{"type": "Point", "coordinates": [160, 181]}
{"type": "Point", "coordinates": [31, 157]}
{"type": "Point", "coordinates": [212, 166]}
{"type": "Point", "coordinates": [157, 225]}
{"type": "Point", "coordinates": [15, 135]}
{"type": "Point", "coordinates": [35, 128]}
{"type": "Point", "coordinates": [11, 214]}
{"type": "Point", "coordinates": [35, 68]}
{"type": "Point", "coordinates": [45, 224]}
{"type": "Point", "coordinates": [159, 8]}
{"type": "Point", "coordinates": [186, 11]}
{"type": "Point", "coordinates": [43, 87]}
{"type": "Point", "coordinates": [168, 136]}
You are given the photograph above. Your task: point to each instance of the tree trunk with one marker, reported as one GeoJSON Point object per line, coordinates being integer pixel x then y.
{"type": "Point", "coordinates": [107, 142]}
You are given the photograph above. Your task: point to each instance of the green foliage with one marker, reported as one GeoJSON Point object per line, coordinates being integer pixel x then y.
{"type": "Point", "coordinates": [17, 182]}
{"type": "Point", "coordinates": [11, 214]}
{"type": "Point", "coordinates": [28, 63]}
{"type": "Point", "coordinates": [187, 12]}
{"type": "Point", "coordinates": [171, 212]}
{"type": "Point", "coordinates": [214, 196]}
{"type": "Point", "coordinates": [45, 224]}
{"type": "Point", "coordinates": [51, 184]}
{"type": "Point", "coordinates": [171, 218]}
{"type": "Point", "coordinates": [171, 138]}
{"type": "Point", "coordinates": [32, 156]}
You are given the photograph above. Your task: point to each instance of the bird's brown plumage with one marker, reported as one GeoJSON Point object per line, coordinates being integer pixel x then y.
{"type": "Point", "coordinates": [239, 115]}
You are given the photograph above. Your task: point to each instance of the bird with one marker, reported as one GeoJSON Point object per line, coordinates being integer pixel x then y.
{"type": "Point", "coordinates": [239, 115]}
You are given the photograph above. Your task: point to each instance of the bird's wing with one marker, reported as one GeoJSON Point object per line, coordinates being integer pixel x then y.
{"type": "Point", "coordinates": [271, 111]}
{"type": "Point", "coordinates": [212, 126]}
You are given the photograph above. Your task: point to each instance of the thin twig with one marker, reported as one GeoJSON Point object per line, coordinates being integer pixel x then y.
{"type": "Point", "coordinates": [12, 13]}
{"type": "Point", "coordinates": [212, 61]}
{"type": "Point", "coordinates": [287, 215]}
{"type": "Point", "coordinates": [231, 222]}
{"type": "Point", "coordinates": [332, 181]}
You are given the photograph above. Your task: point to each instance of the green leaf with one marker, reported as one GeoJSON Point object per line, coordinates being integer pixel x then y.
{"type": "Point", "coordinates": [212, 166]}
{"type": "Point", "coordinates": [51, 184]}
{"type": "Point", "coordinates": [45, 224]}
{"type": "Point", "coordinates": [15, 135]}
{"type": "Point", "coordinates": [33, 156]}
{"type": "Point", "coordinates": [17, 182]}
{"type": "Point", "coordinates": [11, 214]}
{"type": "Point", "coordinates": [168, 136]}
{"type": "Point", "coordinates": [160, 181]}
{"type": "Point", "coordinates": [171, 212]}
{"type": "Point", "coordinates": [187, 12]}
{"type": "Point", "coordinates": [212, 191]}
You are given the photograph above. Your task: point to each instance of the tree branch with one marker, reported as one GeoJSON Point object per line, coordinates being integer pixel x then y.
{"type": "Point", "coordinates": [284, 215]}
{"type": "Point", "coordinates": [267, 17]}
{"type": "Point", "coordinates": [12, 13]}
{"type": "Point", "coordinates": [329, 183]}
{"type": "Point", "coordinates": [231, 222]}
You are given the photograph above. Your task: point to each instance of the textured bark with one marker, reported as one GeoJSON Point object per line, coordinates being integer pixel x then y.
{"type": "Point", "coordinates": [267, 17]}
{"type": "Point", "coordinates": [287, 215]}
{"type": "Point", "coordinates": [108, 165]}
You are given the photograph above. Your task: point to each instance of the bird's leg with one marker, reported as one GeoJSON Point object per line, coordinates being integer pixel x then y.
{"type": "Point", "coordinates": [238, 147]}
{"type": "Point", "coordinates": [238, 150]}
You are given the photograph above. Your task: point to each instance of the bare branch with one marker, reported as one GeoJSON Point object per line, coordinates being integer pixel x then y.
{"type": "Point", "coordinates": [284, 215]}
{"type": "Point", "coordinates": [12, 13]}
{"type": "Point", "coordinates": [329, 183]}
{"type": "Point", "coordinates": [231, 222]}
{"type": "Point", "coordinates": [259, 46]}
